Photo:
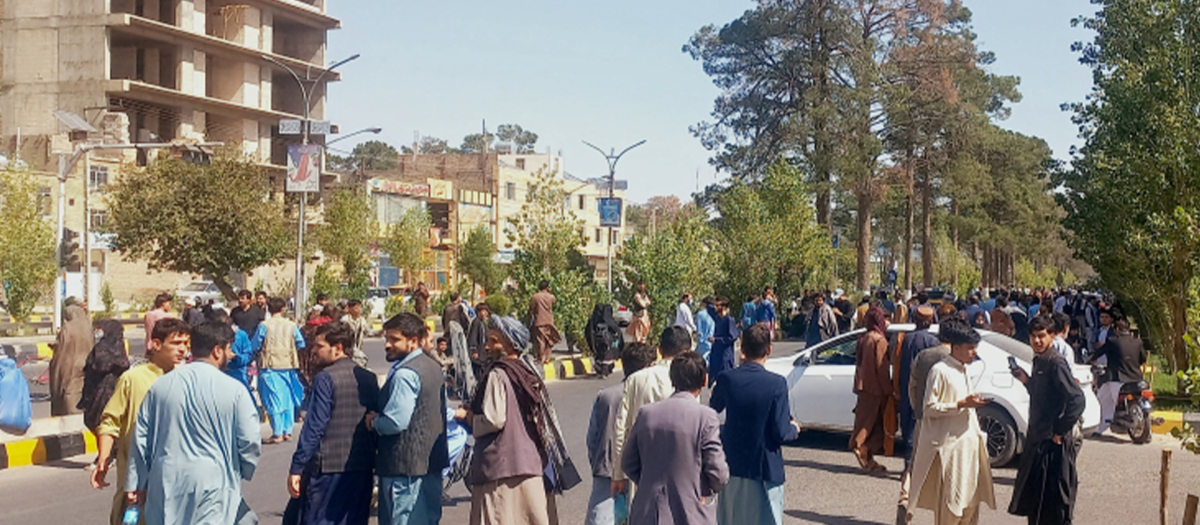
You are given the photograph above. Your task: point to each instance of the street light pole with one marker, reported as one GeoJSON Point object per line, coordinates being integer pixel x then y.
{"type": "Point", "coordinates": [306, 94]}
{"type": "Point", "coordinates": [612, 182]}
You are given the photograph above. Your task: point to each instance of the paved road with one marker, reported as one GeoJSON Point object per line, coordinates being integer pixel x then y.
{"type": "Point", "coordinates": [1120, 480]}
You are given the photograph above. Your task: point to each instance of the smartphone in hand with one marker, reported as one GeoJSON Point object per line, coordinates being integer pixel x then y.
{"type": "Point", "coordinates": [1012, 363]}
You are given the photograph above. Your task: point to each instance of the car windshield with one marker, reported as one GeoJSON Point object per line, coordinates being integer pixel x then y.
{"type": "Point", "coordinates": [196, 287]}
{"type": "Point", "coordinates": [1016, 348]}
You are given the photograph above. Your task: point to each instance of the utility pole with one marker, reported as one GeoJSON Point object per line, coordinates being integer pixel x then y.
{"type": "Point", "coordinates": [612, 182]}
{"type": "Point", "coordinates": [301, 219]}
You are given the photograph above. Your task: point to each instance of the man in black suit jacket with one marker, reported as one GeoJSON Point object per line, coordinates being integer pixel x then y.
{"type": "Point", "coordinates": [757, 423]}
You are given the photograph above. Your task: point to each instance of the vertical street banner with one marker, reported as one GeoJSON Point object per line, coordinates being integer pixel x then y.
{"type": "Point", "coordinates": [610, 212]}
{"type": "Point", "coordinates": [303, 168]}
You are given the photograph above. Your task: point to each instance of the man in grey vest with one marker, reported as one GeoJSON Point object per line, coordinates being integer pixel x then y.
{"type": "Point", "coordinates": [411, 427]}
{"type": "Point", "coordinates": [331, 476]}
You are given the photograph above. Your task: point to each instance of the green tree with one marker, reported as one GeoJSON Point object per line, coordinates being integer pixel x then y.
{"type": "Point", "coordinates": [1133, 193]}
{"type": "Point", "coordinates": [430, 146]}
{"type": "Point", "coordinates": [407, 241]}
{"type": "Point", "coordinates": [678, 258]}
{"type": "Point", "coordinates": [27, 251]}
{"type": "Point", "coordinates": [523, 140]}
{"type": "Point", "coordinates": [478, 143]}
{"type": "Point", "coordinates": [369, 155]}
{"type": "Point", "coordinates": [767, 235]}
{"type": "Point", "coordinates": [188, 218]}
{"type": "Point", "coordinates": [476, 260]}
{"type": "Point", "coordinates": [347, 233]}
{"type": "Point", "coordinates": [548, 237]}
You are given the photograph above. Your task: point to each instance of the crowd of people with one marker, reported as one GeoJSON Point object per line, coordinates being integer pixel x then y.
{"type": "Point", "coordinates": [180, 424]}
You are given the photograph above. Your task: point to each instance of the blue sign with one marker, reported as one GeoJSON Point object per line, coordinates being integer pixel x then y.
{"type": "Point", "coordinates": [610, 212]}
{"type": "Point", "coordinates": [835, 241]}
{"type": "Point", "coordinates": [892, 276]}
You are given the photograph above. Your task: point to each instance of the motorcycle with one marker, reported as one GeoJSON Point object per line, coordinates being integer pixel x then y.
{"type": "Point", "coordinates": [1135, 404]}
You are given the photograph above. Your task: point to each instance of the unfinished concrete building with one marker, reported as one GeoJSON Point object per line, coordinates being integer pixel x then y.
{"type": "Point", "coordinates": [151, 71]}
{"type": "Point", "coordinates": [177, 68]}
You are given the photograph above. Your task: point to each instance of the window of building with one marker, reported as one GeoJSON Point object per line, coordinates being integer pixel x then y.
{"type": "Point", "coordinates": [615, 239]}
{"type": "Point", "coordinates": [510, 191]}
{"type": "Point", "coordinates": [97, 176]}
{"type": "Point", "coordinates": [520, 164]}
{"type": "Point", "coordinates": [598, 233]}
{"type": "Point", "coordinates": [583, 202]}
{"type": "Point", "coordinates": [45, 202]}
{"type": "Point", "coordinates": [98, 217]}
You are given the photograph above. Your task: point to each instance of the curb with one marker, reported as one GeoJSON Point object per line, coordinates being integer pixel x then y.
{"type": "Point", "coordinates": [1164, 421]}
{"type": "Point", "coordinates": [572, 367]}
{"type": "Point", "coordinates": [8, 319]}
{"type": "Point", "coordinates": [41, 450]}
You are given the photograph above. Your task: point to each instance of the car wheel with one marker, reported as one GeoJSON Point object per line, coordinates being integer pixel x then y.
{"type": "Point", "coordinates": [1001, 433]}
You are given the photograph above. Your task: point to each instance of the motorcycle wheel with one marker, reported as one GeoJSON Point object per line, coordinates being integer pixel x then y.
{"type": "Point", "coordinates": [1139, 431]}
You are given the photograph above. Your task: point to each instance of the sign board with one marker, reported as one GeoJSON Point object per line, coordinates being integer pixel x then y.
{"type": "Point", "coordinates": [319, 127]}
{"type": "Point", "coordinates": [303, 169]}
{"type": "Point", "coordinates": [610, 212]}
{"type": "Point", "coordinates": [440, 189]}
{"type": "Point", "coordinates": [505, 256]}
{"type": "Point", "coordinates": [892, 276]}
{"type": "Point", "coordinates": [400, 187]}
{"type": "Point", "coordinates": [836, 238]}
{"type": "Point", "coordinates": [290, 126]}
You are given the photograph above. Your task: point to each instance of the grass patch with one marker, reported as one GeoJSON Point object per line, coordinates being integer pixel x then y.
{"type": "Point", "coordinates": [1166, 388]}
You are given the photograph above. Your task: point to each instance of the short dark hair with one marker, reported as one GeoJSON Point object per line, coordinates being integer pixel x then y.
{"type": "Point", "coordinates": [1122, 325]}
{"type": "Point", "coordinates": [161, 299]}
{"type": "Point", "coordinates": [208, 336]}
{"type": "Point", "coordinates": [245, 294]}
{"type": "Point", "coordinates": [260, 293]}
{"type": "Point", "coordinates": [543, 284]}
{"type": "Point", "coordinates": [443, 339]}
{"type": "Point", "coordinates": [482, 307]}
{"type": "Point", "coordinates": [454, 296]}
{"type": "Point", "coordinates": [922, 297]}
{"type": "Point", "coordinates": [688, 372]}
{"type": "Point", "coordinates": [322, 297]}
{"type": "Point", "coordinates": [352, 303]}
{"type": "Point", "coordinates": [218, 315]}
{"type": "Point", "coordinates": [675, 340]}
{"type": "Point", "coordinates": [685, 296]}
{"type": "Point", "coordinates": [636, 356]}
{"type": "Point", "coordinates": [1061, 321]}
{"type": "Point", "coordinates": [168, 327]}
{"type": "Point", "coordinates": [956, 331]}
{"type": "Point", "coordinates": [756, 341]}
{"type": "Point", "coordinates": [407, 324]}
{"type": "Point", "coordinates": [275, 305]}
{"type": "Point", "coordinates": [336, 333]}
{"type": "Point", "coordinates": [1041, 323]}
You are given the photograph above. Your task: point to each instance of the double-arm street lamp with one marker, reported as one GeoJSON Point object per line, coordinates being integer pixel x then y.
{"type": "Point", "coordinates": [612, 181]}
{"type": "Point", "coordinates": [307, 87]}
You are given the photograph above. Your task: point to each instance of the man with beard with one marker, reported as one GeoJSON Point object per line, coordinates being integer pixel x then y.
{"type": "Point", "coordinates": [1047, 479]}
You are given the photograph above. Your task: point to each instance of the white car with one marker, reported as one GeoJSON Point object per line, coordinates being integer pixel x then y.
{"type": "Point", "coordinates": [821, 388]}
{"type": "Point", "coordinates": [202, 292]}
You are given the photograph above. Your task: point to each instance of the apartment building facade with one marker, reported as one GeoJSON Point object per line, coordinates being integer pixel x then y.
{"type": "Point", "coordinates": [154, 71]}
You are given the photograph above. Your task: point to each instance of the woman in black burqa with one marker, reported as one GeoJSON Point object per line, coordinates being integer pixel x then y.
{"type": "Point", "coordinates": [604, 338]}
{"type": "Point", "coordinates": [106, 362]}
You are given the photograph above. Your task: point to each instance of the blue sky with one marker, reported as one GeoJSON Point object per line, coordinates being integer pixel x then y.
{"type": "Point", "coordinates": [614, 73]}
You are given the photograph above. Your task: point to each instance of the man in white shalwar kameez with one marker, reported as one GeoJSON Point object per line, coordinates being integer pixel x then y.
{"type": "Point", "coordinates": [951, 474]}
{"type": "Point", "coordinates": [197, 438]}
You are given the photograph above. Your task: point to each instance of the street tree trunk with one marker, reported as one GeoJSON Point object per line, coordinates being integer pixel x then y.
{"type": "Point", "coordinates": [862, 274]}
{"type": "Point", "coordinates": [927, 229]}
{"type": "Point", "coordinates": [909, 211]}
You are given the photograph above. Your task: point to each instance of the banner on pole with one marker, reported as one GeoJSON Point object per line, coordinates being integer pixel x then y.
{"type": "Point", "coordinates": [303, 168]}
{"type": "Point", "coordinates": [610, 212]}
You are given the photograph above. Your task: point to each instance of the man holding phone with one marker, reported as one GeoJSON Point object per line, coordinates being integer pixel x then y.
{"type": "Point", "coordinates": [1047, 479]}
{"type": "Point", "coordinates": [951, 471]}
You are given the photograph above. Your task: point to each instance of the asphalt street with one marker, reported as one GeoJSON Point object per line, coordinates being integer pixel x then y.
{"type": "Point", "coordinates": [1119, 480]}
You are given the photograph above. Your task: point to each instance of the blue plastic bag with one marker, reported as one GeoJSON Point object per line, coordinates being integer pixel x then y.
{"type": "Point", "coordinates": [621, 509]}
{"type": "Point", "coordinates": [16, 413]}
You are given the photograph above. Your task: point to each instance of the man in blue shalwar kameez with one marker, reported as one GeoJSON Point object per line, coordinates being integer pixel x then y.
{"type": "Point", "coordinates": [197, 437]}
{"type": "Point", "coordinates": [705, 327]}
